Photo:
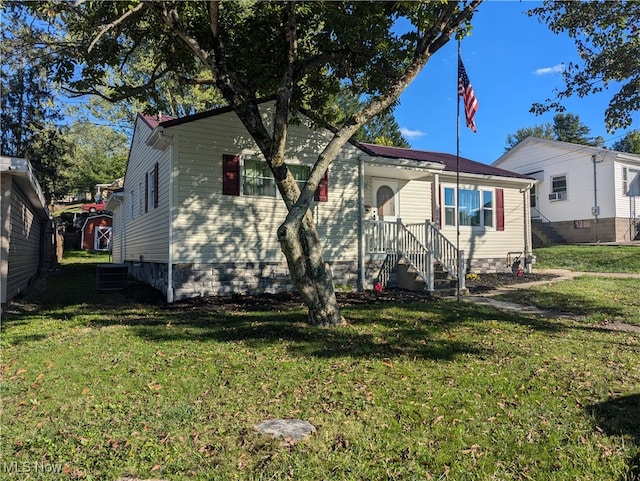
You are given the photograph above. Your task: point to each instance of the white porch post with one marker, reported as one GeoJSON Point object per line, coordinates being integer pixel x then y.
{"type": "Point", "coordinates": [397, 242]}
{"type": "Point", "coordinates": [436, 200]}
{"type": "Point", "coordinates": [431, 278]}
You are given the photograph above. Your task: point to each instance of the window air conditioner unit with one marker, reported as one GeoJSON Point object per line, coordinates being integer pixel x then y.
{"type": "Point", "coordinates": [558, 196]}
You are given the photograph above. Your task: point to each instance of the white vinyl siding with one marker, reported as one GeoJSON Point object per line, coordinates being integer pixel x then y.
{"type": "Point", "coordinates": [147, 233]}
{"type": "Point", "coordinates": [210, 227]}
{"type": "Point", "coordinates": [546, 160]}
{"type": "Point", "coordinates": [627, 204]}
{"type": "Point", "coordinates": [415, 201]}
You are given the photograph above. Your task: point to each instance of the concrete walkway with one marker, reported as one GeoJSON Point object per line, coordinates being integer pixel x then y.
{"type": "Point", "coordinates": [486, 298]}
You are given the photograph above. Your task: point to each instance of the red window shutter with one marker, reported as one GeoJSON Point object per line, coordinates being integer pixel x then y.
{"type": "Point", "coordinates": [231, 174]}
{"type": "Point", "coordinates": [499, 209]}
{"type": "Point", "coordinates": [146, 193]}
{"type": "Point", "coordinates": [322, 193]}
{"type": "Point", "coordinates": [156, 183]}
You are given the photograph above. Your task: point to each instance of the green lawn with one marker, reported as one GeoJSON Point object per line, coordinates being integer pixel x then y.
{"type": "Point", "coordinates": [589, 258]}
{"type": "Point", "coordinates": [600, 299]}
{"type": "Point", "coordinates": [97, 386]}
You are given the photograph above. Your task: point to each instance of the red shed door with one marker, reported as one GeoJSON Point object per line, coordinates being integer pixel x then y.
{"type": "Point", "coordinates": [102, 239]}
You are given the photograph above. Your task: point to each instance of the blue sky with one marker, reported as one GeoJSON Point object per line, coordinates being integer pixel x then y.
{"type": "Point", "coordinates": [512, 61]}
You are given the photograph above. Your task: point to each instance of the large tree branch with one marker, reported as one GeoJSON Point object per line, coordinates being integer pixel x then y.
{"type": "Point", "coordinates": [115, 23]}
{"type": "Point", "coordinates": [235, 91]}
{"type": "Point", "coordinates": [124, 92]}
{"type": "Point", "coordinates": [448, 21]}
{"type": "Point", "coordinates": [283, 101]}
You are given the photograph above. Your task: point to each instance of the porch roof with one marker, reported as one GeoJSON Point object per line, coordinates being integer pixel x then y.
{"type": "Point", "coordinates": [449, 161]}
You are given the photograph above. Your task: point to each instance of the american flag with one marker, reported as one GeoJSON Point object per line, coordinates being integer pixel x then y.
{"type": "Point", "coordinates": [465, 90]}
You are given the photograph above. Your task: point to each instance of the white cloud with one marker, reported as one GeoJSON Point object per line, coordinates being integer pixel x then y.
{"type": "Point", "coordinates": [548, 70]}
{"type": "Point", "coordinates": [411, 134]}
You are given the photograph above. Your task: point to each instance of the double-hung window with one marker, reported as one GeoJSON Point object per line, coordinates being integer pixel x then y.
{"type": "Point", "coordinates": [141, 199]}
{"type": "Point", "coordinates": [300, 173]}
{"type": "Point", "coordinates": [476, 208]}
{"type": "Point", "coordinates": [253, 178]}
{"type": "Point", "coordinates": [132, 204]}
{"type": "Point", "coordinates": [152, 189]}
{"type": "Point", "coordinates": [257, 179]}
{"type": "Point", "coordinates": [558, 187]}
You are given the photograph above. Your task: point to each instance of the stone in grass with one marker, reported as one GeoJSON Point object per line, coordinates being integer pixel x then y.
{"type": "Point", "coordinates": [291, 430]}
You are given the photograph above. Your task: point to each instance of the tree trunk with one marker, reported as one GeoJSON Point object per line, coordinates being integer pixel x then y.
{"type": "Point", "coordinates": [301, 245]}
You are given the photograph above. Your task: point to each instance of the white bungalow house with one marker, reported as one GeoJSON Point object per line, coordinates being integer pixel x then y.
{"type": "Point", "coordinates": [26, 231]}
{"type": "Point", "coordinates": [583, 194]}
{"type": "Point", "coordinates": [199, 210]}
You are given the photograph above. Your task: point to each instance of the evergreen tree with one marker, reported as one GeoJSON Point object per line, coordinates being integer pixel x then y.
{"type": "Point", "coordinates": [30, 118]}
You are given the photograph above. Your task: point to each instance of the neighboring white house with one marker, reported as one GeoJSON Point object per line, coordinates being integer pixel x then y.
{"type": "Point", "coordinates": [199, 209]}
{"type": "Point", "coordinates": [25, 229]}
{"type": "Point", "coordinates": [583, 194]}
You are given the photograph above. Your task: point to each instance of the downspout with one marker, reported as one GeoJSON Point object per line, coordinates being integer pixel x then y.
{"type": "Point", "coordinates": [361, 240]}
{"type": "Point", "coordinates": [170, 214]}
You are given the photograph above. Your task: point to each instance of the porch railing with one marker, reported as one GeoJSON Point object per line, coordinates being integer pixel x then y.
{"type": "Point", "coordinates": [421, 244]}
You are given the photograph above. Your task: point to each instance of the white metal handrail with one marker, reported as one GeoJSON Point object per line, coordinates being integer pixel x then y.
{"type": "Point", "coordinates": [421, 244]}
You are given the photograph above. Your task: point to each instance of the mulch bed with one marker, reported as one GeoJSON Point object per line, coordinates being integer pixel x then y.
{"type": "Point", "coordinates": [144, 293]}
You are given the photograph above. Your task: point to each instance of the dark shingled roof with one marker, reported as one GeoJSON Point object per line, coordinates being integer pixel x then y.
{"type": "Point", "coordinates": [153, 121]}
{"type": "Point", "coordinates": [449, 160]}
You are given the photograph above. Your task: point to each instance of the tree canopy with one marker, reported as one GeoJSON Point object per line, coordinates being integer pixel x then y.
{"type": "Point", "coordinates": [607, 37]}
{"type": "Point", "coordinates": [99, 155]}
{"type": "Point", "coordinates": [629, 143]}
{"type": "Point", "coordinates": [565, 128]}
{"type": "Point", "coordinates": [303, 54]}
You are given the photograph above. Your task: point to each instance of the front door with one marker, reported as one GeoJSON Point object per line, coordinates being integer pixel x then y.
{"type": "Point", "coordinates": [385, 199]}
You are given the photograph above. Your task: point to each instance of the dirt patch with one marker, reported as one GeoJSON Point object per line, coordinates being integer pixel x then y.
{"type": "Point", "coordinates": [620, 326]}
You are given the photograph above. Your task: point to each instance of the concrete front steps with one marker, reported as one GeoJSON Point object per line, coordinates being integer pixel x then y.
{"type": "Point", "coordinates": [406, 277]}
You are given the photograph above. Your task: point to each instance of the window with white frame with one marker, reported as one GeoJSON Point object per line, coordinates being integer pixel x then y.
{"type": "Point", "coordinates": [487, 208]}
{"type": "Point", "coordinates": [449, 206]}
{"type": "Point", "coordinates": [476, 207]}
{"type": "Point", "coordinates": [140, 198]}
{"type": "Point", "coordinates": [558, 187]}
{"type": "Point", "coordinates": [300, 174]}
{"type": "Point", "coordinates": [151, 191]}
{"type": "Point", "coordinates": [257, 179]}
{"type": "Point", "coordinates": [132, 204]}
{"type": "Point", "coordinates": [631, 182]}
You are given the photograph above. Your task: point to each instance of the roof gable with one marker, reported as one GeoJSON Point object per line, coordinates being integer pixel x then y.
{"type": "Point", "coordinates": [567, 147]}
{"type": "Point", "coordinates": [154, 120]}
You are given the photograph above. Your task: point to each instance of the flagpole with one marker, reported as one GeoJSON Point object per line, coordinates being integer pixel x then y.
{"type": "Point", "coordinates": [458, 178]}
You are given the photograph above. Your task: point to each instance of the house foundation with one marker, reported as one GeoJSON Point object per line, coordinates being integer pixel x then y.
{"type": "Point", "coordinates": [219, 279]}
